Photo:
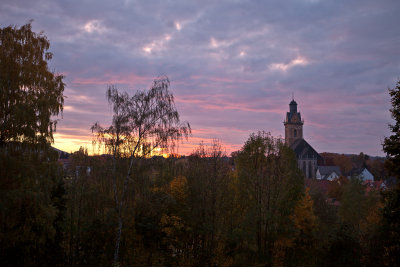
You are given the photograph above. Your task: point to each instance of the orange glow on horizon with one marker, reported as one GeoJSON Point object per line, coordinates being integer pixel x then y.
{"type": "Point", "coordinates": [71, 143]}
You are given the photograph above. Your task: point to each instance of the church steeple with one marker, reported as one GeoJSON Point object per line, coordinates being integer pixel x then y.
{"type": "Point", "coordinates": [293, 124]}
{"type": "Point", "coordinates": [293, 106]}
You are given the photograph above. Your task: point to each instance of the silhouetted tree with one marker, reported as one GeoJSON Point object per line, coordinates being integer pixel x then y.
{"type": "Point", "coordinates": [29, 93]}
{"type": "Point", "coordinates": [270, 184]}
{"type": "Point", "coordinates": [142, 123]}
{"type": "Point", "coordinates": [32, 202]}
{"type": "Point", "coordinates": [391, 145]}
{"type": "Point", "coordinates": [391, 211]}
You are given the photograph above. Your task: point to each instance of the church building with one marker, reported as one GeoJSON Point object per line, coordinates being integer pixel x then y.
{"type": "Point", "coordinates": [307, 157]}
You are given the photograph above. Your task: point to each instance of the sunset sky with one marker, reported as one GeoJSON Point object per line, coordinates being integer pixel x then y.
{"type": "Point", "coordinates": [233, 65]}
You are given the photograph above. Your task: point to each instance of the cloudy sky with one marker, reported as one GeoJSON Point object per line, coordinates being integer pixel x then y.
{"type": "Point", "coordinates": [233, 65]}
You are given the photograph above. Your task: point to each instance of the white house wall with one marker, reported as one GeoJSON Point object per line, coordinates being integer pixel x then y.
{"type": "Point", "coordinates": [332, 176]}
{"type": "Point", "coordinates": [366, 175]}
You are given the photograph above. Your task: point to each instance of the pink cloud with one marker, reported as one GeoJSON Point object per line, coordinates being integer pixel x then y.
{"type": "Point", "coordinates": [220, 102]}
{"type": "Point", "coordinates": [222, 79]}
{"type": "Point", "coordinates": [112, 78]}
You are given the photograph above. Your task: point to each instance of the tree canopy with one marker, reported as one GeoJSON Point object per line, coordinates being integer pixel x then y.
{"type": "Point", "coordinates": [29, 92]}
{"type": "Point", "coordinates": [391, 145]}
{"type": "Point", "coordinates": [270, 186]}
{"type": "Point", "coordinates": [141, 123]}
{"type": "Point", "coordinates": [391, 210]}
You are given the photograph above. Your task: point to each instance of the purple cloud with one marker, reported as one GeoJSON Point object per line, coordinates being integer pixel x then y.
{"type": "Point", "coordinates": [233, 65]}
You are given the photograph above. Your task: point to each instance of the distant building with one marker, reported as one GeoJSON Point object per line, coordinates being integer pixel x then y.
{"type": "Point", "coordinates": [328, 172]}
{"type": "Point", "coordinates": [307, 157]}
{"type": "Point", "coordinates": [375, 185]}
{"type": "Point", "coordinates": [362, 173]}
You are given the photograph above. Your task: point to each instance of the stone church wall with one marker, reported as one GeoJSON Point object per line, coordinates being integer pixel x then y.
{"type": "Point", "coordinates": [309, 167]}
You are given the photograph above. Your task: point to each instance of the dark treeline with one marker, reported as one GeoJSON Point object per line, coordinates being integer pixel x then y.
{"type": "Point", "coordinates": [128, 208]}
{"type": "Point", "coordinates": [202, 210]}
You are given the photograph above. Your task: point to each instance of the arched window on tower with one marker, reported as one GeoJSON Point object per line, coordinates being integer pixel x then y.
{"type": "Point", "coordinates": [295, 133]}
{"type": "Point", "coordinates": [310, 170]}
{"type": "Point", "coordinates": [304, 168]}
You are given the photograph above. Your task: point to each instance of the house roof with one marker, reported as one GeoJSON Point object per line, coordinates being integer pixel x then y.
{"type": "Point", "coordinates": [327, 170]}
{"type": "Point", "coordinates": [374, 185]}
{"type": "Point", "coordinates": [362, 173]}
{"type": "Point", "coordinates": [304, 150]}
{"type": "Point", "coordinates": [358, 171]}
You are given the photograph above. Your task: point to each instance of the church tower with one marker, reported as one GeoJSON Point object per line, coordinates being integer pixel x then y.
{"type": "Point", "coordinates": [293, 124]}
{"type": "Point", "coordinates": [307, 157]}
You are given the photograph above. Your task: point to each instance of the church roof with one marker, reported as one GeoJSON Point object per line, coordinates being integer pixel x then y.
{"type": "Point", "coordinates": [304, 150]}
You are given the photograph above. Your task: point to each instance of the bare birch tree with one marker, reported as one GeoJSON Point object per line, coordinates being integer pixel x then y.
{"type": "Point", "coordinates": [142, 123]}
